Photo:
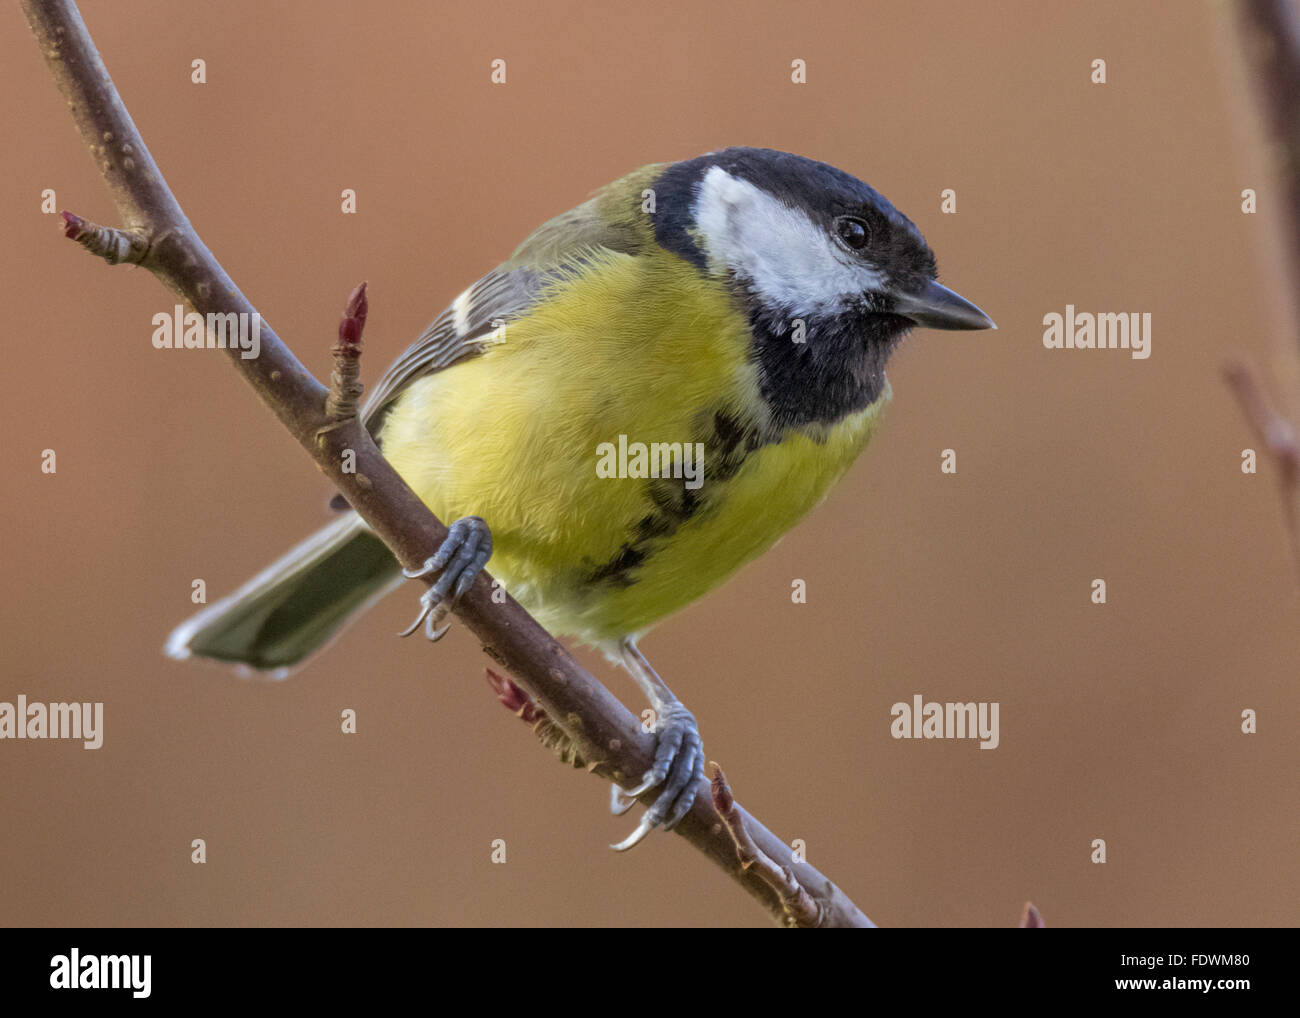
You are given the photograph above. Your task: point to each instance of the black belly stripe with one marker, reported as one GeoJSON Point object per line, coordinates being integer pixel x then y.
{"type": "Point", "coordinates": [729, 443]}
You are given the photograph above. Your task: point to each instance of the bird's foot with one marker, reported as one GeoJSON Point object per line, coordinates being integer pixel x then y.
{"type": "Point", "coordinates": [460, 559]}
{"type": "Point", "coordinates": [678, 766]}
{"type": "Point", "coordinates": [619, 803]}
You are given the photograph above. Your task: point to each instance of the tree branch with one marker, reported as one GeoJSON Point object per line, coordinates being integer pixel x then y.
{"type": "Point", "coordinates": [157, 235]}
{"type": "Point", "coordinates": [801, 911]}
{"type": "Point", "coordinates": [1271, 47]}
{"type": "Point", "coordinates": [1278, 437]}
{"type": "Point", "coordinates": [1270, 44]}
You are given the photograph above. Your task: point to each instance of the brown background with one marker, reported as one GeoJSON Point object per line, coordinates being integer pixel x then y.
{"type": "Point", "coordinates": [1119, 722]}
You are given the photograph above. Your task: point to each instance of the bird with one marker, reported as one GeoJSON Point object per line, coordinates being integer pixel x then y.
{"type": "Point", "coordinates": [646, 395]}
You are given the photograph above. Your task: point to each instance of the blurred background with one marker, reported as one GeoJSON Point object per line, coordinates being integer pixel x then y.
{"type": "Point", "coordinates": [1119, 722]}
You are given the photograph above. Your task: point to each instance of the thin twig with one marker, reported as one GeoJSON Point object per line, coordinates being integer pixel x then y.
{"type": "Point", "coordinates": [551, 735]}
{"type": "Point", "coordinates": [800, 908]}
{"type": "Point", "coordinates": [1270, 43]}
{"type": "Point", "coordinates": [344, 401]}
{"type": "Point", "coordinates": [1278, 437]}
{"type": "Point", "coordinates": [113, 245]}
{"type": "Point", "coordinates": [600, 728]}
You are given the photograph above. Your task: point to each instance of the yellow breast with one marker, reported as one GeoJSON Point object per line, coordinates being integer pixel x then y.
{"type": "Point", "coordinates": [643, 348]}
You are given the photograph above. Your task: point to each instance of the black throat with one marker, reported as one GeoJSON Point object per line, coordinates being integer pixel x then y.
{"type": "Point", "coordinates": [833, 367]}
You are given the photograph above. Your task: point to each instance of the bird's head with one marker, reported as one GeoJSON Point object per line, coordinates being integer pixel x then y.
{"type": "Point", "coordinates": [830, 273]}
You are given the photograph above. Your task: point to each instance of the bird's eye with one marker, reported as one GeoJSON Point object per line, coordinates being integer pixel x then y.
{"type": "Point", "coordinates": [853, 232]}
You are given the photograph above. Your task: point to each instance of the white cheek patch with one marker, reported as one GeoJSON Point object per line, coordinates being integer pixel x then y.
{"type": "Point", "coordinates": [788, 260]}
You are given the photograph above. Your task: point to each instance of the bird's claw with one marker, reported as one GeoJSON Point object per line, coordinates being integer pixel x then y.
{"type": "Point", "coordinates": [432, 611]}
{"type": "Point", "coordinates": [678, 766]}
{"type": "Point", "coordinates": [619, 803]}
{"type": "Point", "coordinates": [459, 560]}
{"type": "Point", "coordinates": [636, 837]}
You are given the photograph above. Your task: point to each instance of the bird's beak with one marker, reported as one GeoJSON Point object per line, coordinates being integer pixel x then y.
{"type": "Point", "coordinates": [937, 307]}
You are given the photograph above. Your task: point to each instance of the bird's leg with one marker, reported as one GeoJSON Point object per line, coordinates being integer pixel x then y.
{"type": "Point", "coordinates": [679, 754]}
{"type": "Point", "coordinates": [461, 557]}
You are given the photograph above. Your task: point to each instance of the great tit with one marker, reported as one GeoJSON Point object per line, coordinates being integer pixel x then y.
{"type": "Point", "coordinates": [742, 305]}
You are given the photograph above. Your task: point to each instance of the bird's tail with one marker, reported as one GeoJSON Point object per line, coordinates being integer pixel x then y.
{"type": "Point", "coordinates": [293, 607]}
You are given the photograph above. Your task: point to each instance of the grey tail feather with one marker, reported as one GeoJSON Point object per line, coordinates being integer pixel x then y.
{"type": "Point", "coordinates": [294, 606]}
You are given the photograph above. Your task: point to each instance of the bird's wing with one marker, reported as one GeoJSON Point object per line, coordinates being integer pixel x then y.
{"type": "Point", "coordinates": [454, 335]}
{"type": "Point", "coordinates": [504, 293]}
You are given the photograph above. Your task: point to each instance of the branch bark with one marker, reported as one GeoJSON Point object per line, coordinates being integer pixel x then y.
{"type": "Point", "coordinates": [801, 910]}
{"type": "Point", "coordinates": [157, 235]}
